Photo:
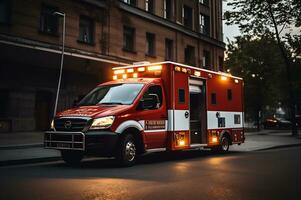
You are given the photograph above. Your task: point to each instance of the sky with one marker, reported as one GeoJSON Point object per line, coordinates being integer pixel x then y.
{"type": "Point", "coordinates": [229, 31]}
{"type": "Point", "coordinates": [233, 30]}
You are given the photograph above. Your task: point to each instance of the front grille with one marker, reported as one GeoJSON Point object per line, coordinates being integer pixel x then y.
{"type": "Point", "coordinates": [70, 124]}
{"type": "Point", "coordinates": [64, 140]}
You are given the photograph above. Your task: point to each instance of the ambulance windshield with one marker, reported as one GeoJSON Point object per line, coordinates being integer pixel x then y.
{"type": "Point", "coordinates": [122, 94]}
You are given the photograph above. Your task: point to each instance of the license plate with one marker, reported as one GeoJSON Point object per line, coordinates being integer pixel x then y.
{"type": "Point", "coordinates": [63, 145]}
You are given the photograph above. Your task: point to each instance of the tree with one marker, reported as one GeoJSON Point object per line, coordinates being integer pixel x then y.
{"type": "Point", "coordinates": [258, 71]}
{"type": "Point", "coordinates": [257, 17]}
{"type": "Point", "coordinates": [294, 45]}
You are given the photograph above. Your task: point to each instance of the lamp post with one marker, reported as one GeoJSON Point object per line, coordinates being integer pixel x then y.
{"type": "Point", "coordinates": [60, 14]}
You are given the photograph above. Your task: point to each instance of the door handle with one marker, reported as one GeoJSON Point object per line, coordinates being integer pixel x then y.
{"type": "Point", "coordinates": [186, 114]}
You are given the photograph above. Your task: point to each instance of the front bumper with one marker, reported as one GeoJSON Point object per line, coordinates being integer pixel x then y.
{"type": "Point", "coordinates": [91, 142]}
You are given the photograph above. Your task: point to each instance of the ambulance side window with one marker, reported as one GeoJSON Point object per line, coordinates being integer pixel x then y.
{"type": "Point", "coordinates": [157, 90]}
{"type": "Point", "coordinates": [229, 94]}
{"type": "Point", "coordinates": [181, 96]}
{"type": "Point", "coordinates": [213, 98]}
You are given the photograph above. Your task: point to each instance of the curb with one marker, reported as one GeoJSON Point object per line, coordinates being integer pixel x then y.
{"type": "Point", "coordinates": [21, 146]}
{"type": "Point", "coordinates": [29, 161]}
{"type": "Point", "coordinates": [280, 147]}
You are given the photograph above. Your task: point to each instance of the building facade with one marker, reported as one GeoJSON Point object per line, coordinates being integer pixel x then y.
{"type": "Point", "coordinates": [100, 34]}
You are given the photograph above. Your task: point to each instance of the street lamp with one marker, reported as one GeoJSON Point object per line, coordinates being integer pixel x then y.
{"type": "Point", "coordinates": [60, 14]}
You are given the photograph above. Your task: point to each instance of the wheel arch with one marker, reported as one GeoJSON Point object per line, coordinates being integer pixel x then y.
{"type": "Point", "coordinates": [128, 124]}
{"type": "Point", "coordinates": [226, 133]}
{"type": "Point", "coordinates": [138, 137]}
{"type": "Point", "coordinates": [134, 128]}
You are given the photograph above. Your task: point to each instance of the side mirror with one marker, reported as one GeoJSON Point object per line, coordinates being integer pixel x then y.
{"type": "Point", "coordinates": [151, 101]}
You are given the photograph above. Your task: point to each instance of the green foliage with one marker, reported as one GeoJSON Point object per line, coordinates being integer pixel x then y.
{"type": "Point", "coordinates": [259, 62]}
{"type": "Point", "coordinates": [297, 13]}
{"type": "Point", "coordinates": [259, 18]}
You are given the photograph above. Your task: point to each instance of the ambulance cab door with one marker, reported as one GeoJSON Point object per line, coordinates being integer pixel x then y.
{"type": "Point", "coordinates": [153, 118]}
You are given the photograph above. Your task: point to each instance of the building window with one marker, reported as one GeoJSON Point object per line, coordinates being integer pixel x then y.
{"type": "Point", "coordinates": [213, 99]}
{"type": "Point", "coordinates": [220, 63]}
{"type": "Point", "coordinates": [204, 24]}
{"type": "Point", "coordinates": [128, 38]}
{"type": "Point", "coordinates": [5, 11]}
{"type": "Point", "coordinates": [189, 55]}
{"type": "Point", "coordinates": [168, 49]}
{"type": "Point", "coordinates": [86, 30]}
{"type": "Point", "coordinates": [188, 16]}
{"type": "Point", "coordinates": [150, 44]}
{"type": "Point", "coordinates": [229, 94]}
{"type": "Point", "coordinates": [204, 2]}
{"type": "Point", "coordinates": [131, 2]}
{"type": "Point", "coordinates": [167, 6]}
{"type": "Point", "coordinates": [48, 21]}
{"type": "Point", "coordinates": [150, 6]}
{"type": "Point", "coordinates": [206, 59]}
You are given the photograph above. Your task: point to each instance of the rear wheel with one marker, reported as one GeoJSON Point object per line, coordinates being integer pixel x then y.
{"type": "Point", "coordinates": [72, 158]}
{"type": "Point", "coordinates": [126, 151]}
{"type": "Point", "coordinates": [223, 146]}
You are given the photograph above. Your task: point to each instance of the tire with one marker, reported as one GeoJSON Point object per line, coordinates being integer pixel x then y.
{"type": "Point", "coordinates": [223, 147]}
{"type": "Point", "coordinates": [72, 158]}
{"type": "Point", "coordinates": [225, 144]}
{"type": "Point", "coordinates": [126, 153]}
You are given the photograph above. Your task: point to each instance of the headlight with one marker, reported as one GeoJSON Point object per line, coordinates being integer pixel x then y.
{"type": "Point", "coordinates": [102, 123]}
{"type": "Point", "coordinates": [52, 125]}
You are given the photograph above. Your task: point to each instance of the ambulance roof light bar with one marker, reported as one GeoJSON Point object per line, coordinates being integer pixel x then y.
{"type": "Point", "coordinates": [154, 68]}
{"type": "Point", "coordinates": [143, 64]}
{"type": "Point", "coordinates": [119, 71]}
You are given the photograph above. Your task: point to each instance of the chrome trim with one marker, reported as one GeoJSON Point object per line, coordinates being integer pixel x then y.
{"type": "Point", "coordinates": [155, 150]}
{"type": "Point", "coordinates": [48, 142]}
{"type": "Point", "coordinates": [85, 127]}
{"type": "Point", "coordinates": [198, 145]}
{"type": "Point", "coordinates": [74, 117]}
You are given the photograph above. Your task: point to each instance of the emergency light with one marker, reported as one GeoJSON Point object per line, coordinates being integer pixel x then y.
{"type": "Point", "coordinates": [134, 72]}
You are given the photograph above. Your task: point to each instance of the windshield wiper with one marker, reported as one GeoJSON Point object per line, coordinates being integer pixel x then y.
{"type": "Point", "coordinates": [109, 103]}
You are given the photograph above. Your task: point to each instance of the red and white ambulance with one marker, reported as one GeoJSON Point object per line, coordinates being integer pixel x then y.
{"type": "Point", "coordinates": [163, 106]}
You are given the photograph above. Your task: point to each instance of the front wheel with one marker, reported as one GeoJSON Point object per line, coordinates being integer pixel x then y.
{"type": "Point", "coordinates": [126, 151]}
{"type": "Point", "coordinates": [72, 158]}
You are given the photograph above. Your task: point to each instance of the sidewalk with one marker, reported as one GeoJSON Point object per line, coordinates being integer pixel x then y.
{"type": "Point", "coordinates": [27, 147]}
{"type": "Point", "coordinates": [267, 139]}
{"type": "Point", "coordinates": [21, 139]}
{"type": "Point", "coordinates": [23, 148]}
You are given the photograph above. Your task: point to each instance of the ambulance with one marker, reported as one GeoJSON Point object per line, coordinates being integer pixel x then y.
{"type": "Point", "coordinates": [149, 107]}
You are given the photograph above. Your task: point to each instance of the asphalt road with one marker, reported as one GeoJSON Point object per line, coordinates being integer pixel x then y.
{"type": "Point", "coordinates": [273, 174]}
